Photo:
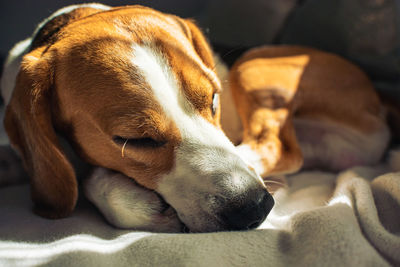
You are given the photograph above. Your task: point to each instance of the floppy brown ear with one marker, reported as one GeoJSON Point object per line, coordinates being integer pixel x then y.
{"type": "Point", "coordinates": [28, 122]}
{"type": "Point", "coordinates": [200, 44]}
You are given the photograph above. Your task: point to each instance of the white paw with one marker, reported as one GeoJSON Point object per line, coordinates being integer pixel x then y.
{"type": "Point", "coordinates": [126, 204]}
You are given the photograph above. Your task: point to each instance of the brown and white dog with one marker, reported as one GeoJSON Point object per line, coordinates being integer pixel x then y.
{"type": "Point", "coordinates": [135, 93]}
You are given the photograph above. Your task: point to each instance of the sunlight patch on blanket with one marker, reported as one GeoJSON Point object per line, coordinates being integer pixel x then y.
{"type": "Point", "coordinates": [35, 254]}
{"type": "Point", "coordinates": [342, 199]}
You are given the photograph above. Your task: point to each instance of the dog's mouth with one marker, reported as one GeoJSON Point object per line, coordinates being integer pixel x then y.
{"type": "Point", "coordinates": [199, 218]}
{"type": "Point", "coordinates": [216, 223]}
{"type": "Point", "coordinates": [167, 210]}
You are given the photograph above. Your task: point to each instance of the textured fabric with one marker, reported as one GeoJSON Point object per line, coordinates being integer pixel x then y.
{"type": "Point", "coordinates": [322, 219]}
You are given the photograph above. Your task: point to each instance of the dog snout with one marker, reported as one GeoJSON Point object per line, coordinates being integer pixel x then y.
{"type": "Point", "coordinates": [247, 212]}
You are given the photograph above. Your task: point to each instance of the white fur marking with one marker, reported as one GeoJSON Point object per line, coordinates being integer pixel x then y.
{"type": "Point", "coordinates": [206, 162]}
{"type": "Point", "coordinates": [158, 75]}
{"type": "Point", "coordinates": [128, 205]}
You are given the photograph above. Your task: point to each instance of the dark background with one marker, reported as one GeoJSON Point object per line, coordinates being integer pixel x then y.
{"type": "Point", "coordinates": [365, 31]}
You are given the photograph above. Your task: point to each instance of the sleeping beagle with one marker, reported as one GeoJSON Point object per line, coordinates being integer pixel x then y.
{"type": "Point", "coordinates": [135, 93]}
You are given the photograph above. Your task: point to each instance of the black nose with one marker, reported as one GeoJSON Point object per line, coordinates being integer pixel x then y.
{"type": "Point", "coordinates": [249, 213]}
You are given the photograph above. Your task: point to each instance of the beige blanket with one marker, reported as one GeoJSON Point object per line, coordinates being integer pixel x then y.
{"type": "Point", "coordinates": [321, 219]}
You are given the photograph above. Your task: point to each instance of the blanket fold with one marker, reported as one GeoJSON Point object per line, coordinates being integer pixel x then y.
{"type": "Point", "coordinates": [321, 219]}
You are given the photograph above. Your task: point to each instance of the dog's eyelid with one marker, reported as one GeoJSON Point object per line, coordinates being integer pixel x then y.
{"type": "Point", "coordinates": [141, 142]}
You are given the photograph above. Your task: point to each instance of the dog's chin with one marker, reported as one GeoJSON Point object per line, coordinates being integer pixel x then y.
{"type": "Point", "coordinates": [208, 227]}
{"type": "Point", "coordinates": [127, 204]}
{"type": "Point", "coordinates": [193, 223]}
{"type": "Point", "coordinates": [200, 222]}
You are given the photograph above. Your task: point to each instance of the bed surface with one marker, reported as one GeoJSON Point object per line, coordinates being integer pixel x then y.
{"type": "Point", "coordinates": [351, 219]}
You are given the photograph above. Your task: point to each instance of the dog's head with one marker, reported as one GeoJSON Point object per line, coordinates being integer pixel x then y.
{"type": "Point", "coordinates": [134, 91]}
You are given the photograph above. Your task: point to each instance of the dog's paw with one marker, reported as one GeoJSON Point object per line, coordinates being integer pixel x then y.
{"type": "Point", "coordinates": [11, 169]}
{"type": "Point", "coordinates": [125, 204]}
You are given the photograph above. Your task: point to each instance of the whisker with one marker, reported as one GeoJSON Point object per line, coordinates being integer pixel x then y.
{"type": "Point", "coordinates": [123, 148]}
{"type": "Point", "coordinates": [274, 182]}
{"type": "Point", "coordinates": [232, 51]}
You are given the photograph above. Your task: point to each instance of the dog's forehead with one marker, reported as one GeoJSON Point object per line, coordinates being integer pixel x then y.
{"type": "Point", "coordinates": [176, 101]}
{"type": "Point", "coordinates": [108, 47]}
{"type": "Point", "coordinates": [136, 65]}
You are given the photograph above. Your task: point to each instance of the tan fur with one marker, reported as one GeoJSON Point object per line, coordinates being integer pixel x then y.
{"type": "Point", "coordinates": [273, 85]}
{"type": "Point", "coordinates": [80, 83]}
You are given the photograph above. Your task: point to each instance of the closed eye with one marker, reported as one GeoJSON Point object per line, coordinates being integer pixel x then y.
{"type": "Point", "coordinates": [144, 142]}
